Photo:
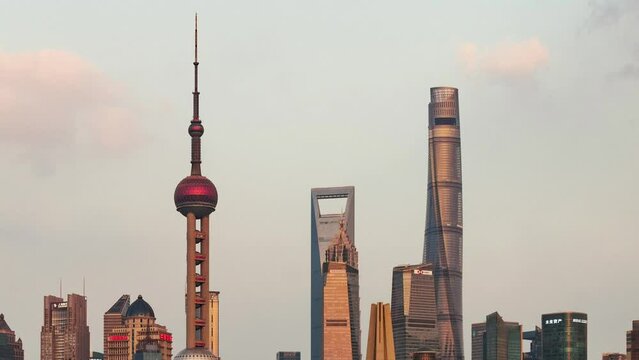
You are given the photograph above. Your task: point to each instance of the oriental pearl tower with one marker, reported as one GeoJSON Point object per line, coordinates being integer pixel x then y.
{"type": "Point", "coordinates": [195, 198]}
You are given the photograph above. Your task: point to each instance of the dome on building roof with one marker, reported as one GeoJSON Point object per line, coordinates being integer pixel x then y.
{"type": "Point", "coordinates": [195, 353]}
{"type": "Point", "coordinates": [140, 308]}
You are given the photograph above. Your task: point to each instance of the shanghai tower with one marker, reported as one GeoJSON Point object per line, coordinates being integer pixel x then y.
{"type": "Point", "coordinates": [444, 222]}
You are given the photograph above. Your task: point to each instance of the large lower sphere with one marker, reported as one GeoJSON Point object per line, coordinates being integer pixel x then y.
{"type": "Point", "coordinates": [195, 353]}
{"type": "Point", "coordinates": [195, 194]}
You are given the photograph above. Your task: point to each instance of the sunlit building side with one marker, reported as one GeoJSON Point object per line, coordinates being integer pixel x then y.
{"type": "Point", "coordinates": [341, 332]}
{"type": "Point", "coordinates": [444, 222]}
{"type": "Point", "coordinates": [65, 333]}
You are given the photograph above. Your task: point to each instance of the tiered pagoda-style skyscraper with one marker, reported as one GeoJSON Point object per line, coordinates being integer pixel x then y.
{"type": "Point", "coordinates": [195, 198]}
{"type": "Point", "coordinates": [341, 331]}
{"type": "Point", "coordinates": [444, 221]}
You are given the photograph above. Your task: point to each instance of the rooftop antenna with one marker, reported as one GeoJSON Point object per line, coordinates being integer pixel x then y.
{"type": "Point", "coordinates": [84, 286]}
{"type": "Point", "coordinates": [60, 287]}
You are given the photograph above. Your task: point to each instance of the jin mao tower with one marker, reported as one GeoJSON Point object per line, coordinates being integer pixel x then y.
{"type": "Point", "coordinates": [444, 223]}
{"type": "Point", "coordinates": [341, 332]}
{"type": "Point", "coordinates": [196, 198]}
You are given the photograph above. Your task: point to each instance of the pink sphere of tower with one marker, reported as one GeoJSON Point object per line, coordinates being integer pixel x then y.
{"type": "Point", "coordinates": [195, 194]}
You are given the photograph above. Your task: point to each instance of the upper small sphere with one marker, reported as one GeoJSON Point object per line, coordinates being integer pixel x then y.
{"type": "Point", "coordinates": [140, 308]}
{"type": "Point", "coordinates": [196, 129]}
{"type": "Point", "coordinates": [195, 194]}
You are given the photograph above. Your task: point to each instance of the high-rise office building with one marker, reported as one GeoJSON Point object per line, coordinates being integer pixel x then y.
{"type": "Point", "coordinates": [564, 336]}
{"type": "Point", "coordinates": [341, 299]}
{"type": "Point", "coordinates": [288, 355]}
{"type": "Point", "coordinates": [477, 337]}
{"type": "Point", "coordinates": [380, 334]}
{"type": "Point", "coordinates": [414, 310]}
{"type": "Point", "coordinates": [10, 348]}
{"type": "Point", "coordinates": [196, 198]}
{"type": "Point", "coordinates": [534, 336]}
{"type": "Point", "coordinates": [632, 342]}
{"type": "Point", "coordinates": [613, 356]}
{"type": "Point", "coordinates": [444, 223]}
{"type": "Point", "coordinates": [114, 317]}
{"type": "Point", "coordinates": [139, 332]}
{"type": "Point", "coordinates": [65, 334]}
{"type": "Point", "coordinates": [324, 225]}
{"type": "Point", "coordinates": [215, 322]}
{"type": "Point", "coordinates": [496, 339]}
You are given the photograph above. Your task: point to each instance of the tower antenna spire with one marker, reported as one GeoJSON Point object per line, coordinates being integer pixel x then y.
{"type": "Point", "coordinates": [196, 129]}
{"type": "Point", "coordinates": [196, 93]}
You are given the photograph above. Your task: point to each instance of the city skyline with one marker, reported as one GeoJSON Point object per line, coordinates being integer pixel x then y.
{"type": "Point", "coordinates": [288, 89]}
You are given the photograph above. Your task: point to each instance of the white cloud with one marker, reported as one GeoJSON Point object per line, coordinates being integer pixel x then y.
{"type": "Point", "coordinates": [507, 60]}
{"type": "Point", "coordinates": [53, 101]}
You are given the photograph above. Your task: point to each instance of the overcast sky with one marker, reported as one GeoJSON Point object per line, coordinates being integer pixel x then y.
{"type": "Point", "coordinates": [95, 100]}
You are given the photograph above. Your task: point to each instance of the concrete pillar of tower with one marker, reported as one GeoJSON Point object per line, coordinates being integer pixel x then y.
{"type": "Point", "coordinates": [190, 280]}
{"type": "Point", "coordinates": [206, 310]}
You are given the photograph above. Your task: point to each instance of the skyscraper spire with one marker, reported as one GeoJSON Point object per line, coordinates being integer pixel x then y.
{"type": "Point", "coordinates": [196, 130]}
{"type": "Point", "coordinates": [196, 93]}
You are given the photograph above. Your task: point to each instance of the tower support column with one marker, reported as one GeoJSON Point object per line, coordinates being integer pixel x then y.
{"type": "Point", "coordinates": [190, 280]}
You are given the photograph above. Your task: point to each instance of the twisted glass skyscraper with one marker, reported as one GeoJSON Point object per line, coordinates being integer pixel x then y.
{"type": "Point", "coordinates": [444, 224]}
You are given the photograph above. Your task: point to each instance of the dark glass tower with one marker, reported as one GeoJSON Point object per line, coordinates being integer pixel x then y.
{"type": "Point", "coordinates": [413, 311]}
{"type": "Point", "coordinates": [444, 223]}
{"type": "Point", "coordinates": [496, 339]}
{"type": "Point", "coordinates": [10, 348]}
{"type": "Point", "coordinates": [632, 341]}
{"type": "Point", "coordinates": [564, 336]}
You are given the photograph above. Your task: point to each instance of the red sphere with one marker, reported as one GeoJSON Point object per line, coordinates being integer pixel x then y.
{"type": "Point", "coordinates": [195, 194]}
{"type": "Point", "coordinates": [196, 129]}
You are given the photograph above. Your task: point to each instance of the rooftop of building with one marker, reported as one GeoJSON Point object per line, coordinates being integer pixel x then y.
{"type": "Point", "coordinates": [120, 305]}
{"type": "Point", "coordinates": [4, 327]}
{"type": "Point", "coordinates": [140, 308]}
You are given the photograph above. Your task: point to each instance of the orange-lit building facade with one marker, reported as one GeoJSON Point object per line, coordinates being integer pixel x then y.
{"type": "Point", "coordinates": [214, 302]}
{"type": "Point", "coordinates": [342, 336]}
{"type": "Point", "coordinates": [380, 333]}
{"type": "Point", "coordinates": [139, 326]}
{"type": "Point", "coordinates": [114, 317]}
{"type": "Point", "coordinates": [65, 333]}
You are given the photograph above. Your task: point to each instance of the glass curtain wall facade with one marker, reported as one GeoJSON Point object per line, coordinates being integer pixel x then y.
{"type": "Point", "coordinates": [324, 226]}
{"type": "Point", "coordinates": [564, 336]}
{"type": "Point", "coordinates": [414, 311]}
{"type": "Point", "coordinates": [444, 222]}
{"type": "Point", "coordinates": [496, 339]}
{"type": "Point", "coordinates": [534, 336]}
